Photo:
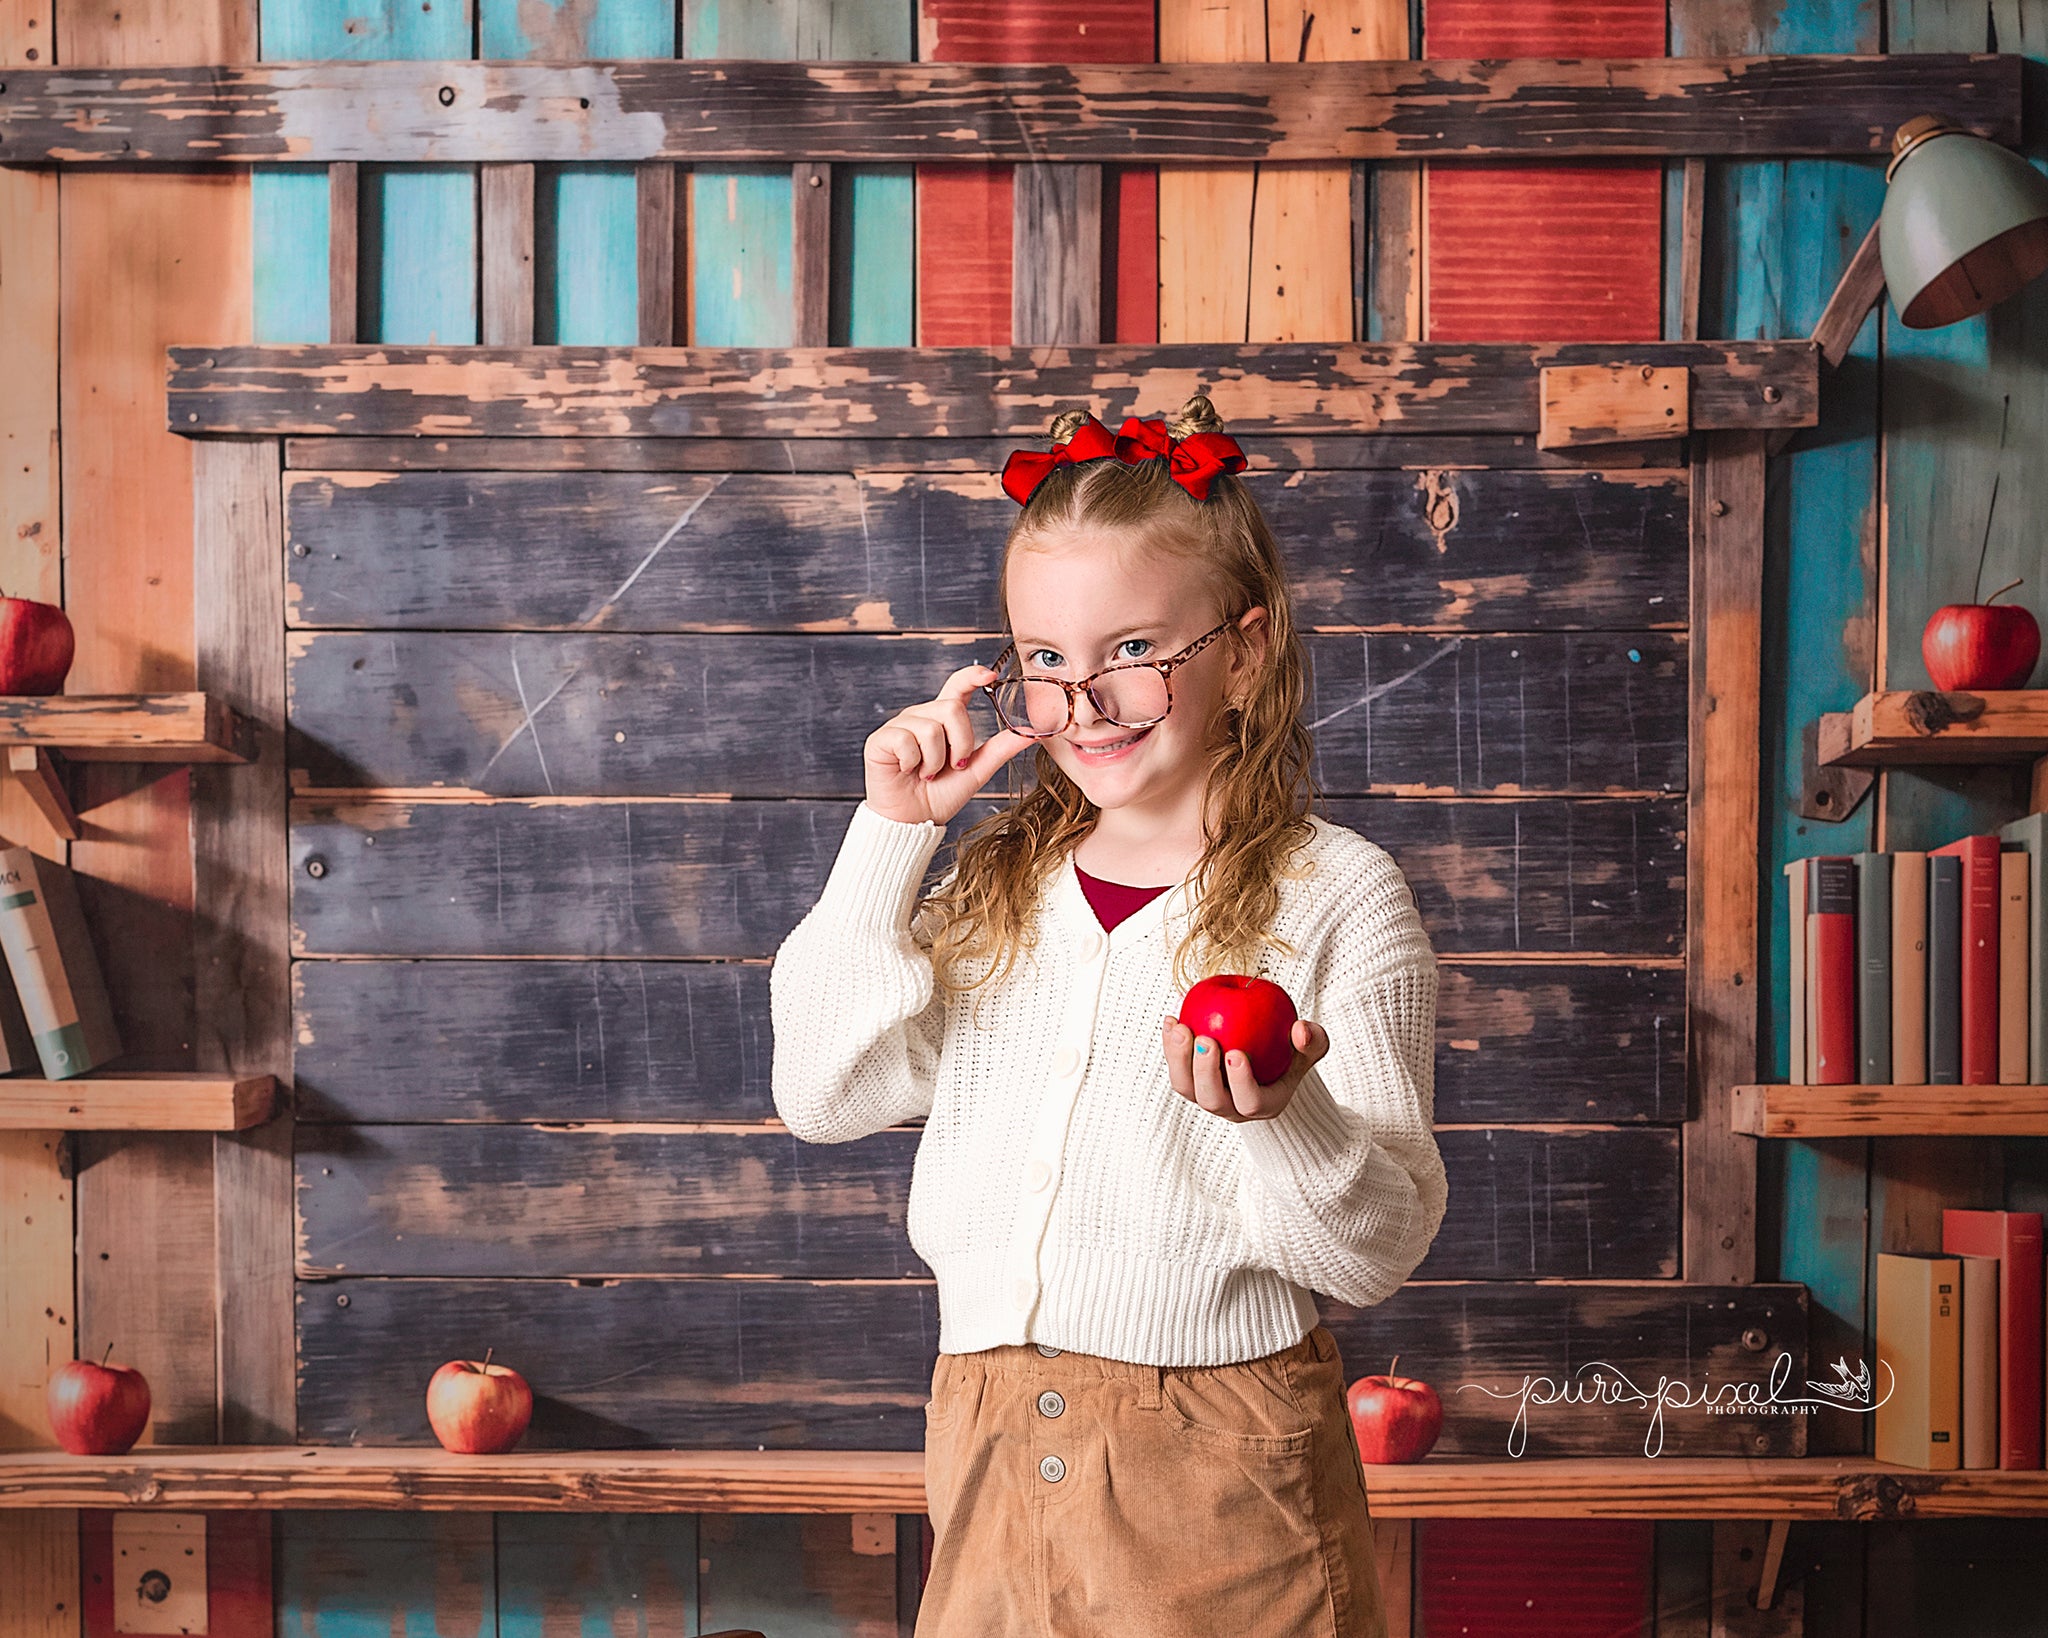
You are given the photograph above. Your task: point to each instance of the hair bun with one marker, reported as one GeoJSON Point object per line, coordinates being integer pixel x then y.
{"type": "Point", "coordinates": [1196, 415]}
{"type": "Point", "coordinates": [1066, 424]}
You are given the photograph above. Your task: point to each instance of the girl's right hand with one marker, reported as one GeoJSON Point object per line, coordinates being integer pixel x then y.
{"type": "Point", "coordinates": [922, 764]}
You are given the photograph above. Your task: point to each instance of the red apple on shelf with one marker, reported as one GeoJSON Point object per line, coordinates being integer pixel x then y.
{"type": "Point", "coordinates": [477, 1408]}
{"type": "Point", "coordinates": [1396, 1418]}
{"type": "Point", "coordinates": [1243, 1014]}
{"type": "Point", "coordinates": [1981, 645]}
{"type": "Point", "coordinates": [35, 646]}
{"type": "Point", "coordinates": [97, 1409]}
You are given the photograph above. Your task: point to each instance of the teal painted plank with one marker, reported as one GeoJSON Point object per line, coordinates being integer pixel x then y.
{"type": "Point", "coordinates": [740, 219]}
{"type": "Point", "coordinates": [385, 1575]}
{"type": "Point", "coordinates": [415, 224]}
{"type": "Point", "coordinates": [596, 1575]}
{"type": "Point", "coordinates": [288, 220]}
{"type": "Point", "coordinates": [586, 229]}
{"type": "Point", "coordinates": [794, 1575]}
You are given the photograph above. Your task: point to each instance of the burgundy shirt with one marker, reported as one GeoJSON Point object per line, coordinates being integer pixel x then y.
{"type": "Point", "coordinates": [1112, 901]}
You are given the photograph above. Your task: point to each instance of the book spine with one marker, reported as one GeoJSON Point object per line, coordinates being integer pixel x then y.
{"type": "Point", "coordinates": [1980, 1361]}
{"type": "Point", "coordinates": [30, 940]}
{"type": "Point", "coordinates": [1874, 968]}
{"type": "Point", "coordinates": [1909, 969]}
{"type": "Point", "coordinates": [1980, 962]}
{"type": "Point", "coordinates": [1831, 955]}
{"type": "Point", "coordinates": [1797, 1072]}
{"type": "Point", "coordinates": [1944, 970]}
{"type": "Point", "coordinates": [2029, 833]}
{"type": "Point", "coordinates": [2014, 904]}
{"type": "Point", "coordinates": [1919, 1360]}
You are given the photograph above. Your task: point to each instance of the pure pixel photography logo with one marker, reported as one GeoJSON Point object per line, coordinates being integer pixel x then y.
{"type": "Point", "coordinates": [1599, 1383]}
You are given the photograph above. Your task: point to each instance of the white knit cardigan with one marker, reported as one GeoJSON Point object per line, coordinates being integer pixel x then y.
{"type": "Point", "coordinates": [1063, 1193]}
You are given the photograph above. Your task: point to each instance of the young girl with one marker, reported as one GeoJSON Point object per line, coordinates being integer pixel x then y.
{"type": "Point", "coordinates": [1137, 1423]}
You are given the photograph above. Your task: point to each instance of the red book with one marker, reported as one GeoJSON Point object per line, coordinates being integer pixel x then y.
{"type": "Point", "coordinates": [1831, 967]}
{"type": "Point", "coordinates": [2014, 1238]}
{"type": "Point", "coordinates": [1979, 855]}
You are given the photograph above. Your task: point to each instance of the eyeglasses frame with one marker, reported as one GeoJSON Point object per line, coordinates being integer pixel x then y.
{"type": "Point", "coordinates": [1166, 667]}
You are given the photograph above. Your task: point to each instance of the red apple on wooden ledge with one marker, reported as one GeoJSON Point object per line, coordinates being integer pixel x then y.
{"type": "Point", "coordinates": [97, 1409]}
{"type": "Point", "coordinates": [477, 1408]}
{"type": "Point", "coordinates": [35, 646]}
{"type": "Point", "coordinates": [1985, 645]}
{"type": "Point", "coordinates": [1396, 1418]}
{"type": "Point", "coordinates": [1240, 1013]}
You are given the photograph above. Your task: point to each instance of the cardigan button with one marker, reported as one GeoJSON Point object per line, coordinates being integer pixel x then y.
{"type": "Point", "coordinates": [1022, 1293]}
{"type": "Point", "coordinates": [1038, 1176]}
{"type": "Point", "coordinates": [1091, 946]}
{"type": "Point", "coordinates": [1066, 1061]}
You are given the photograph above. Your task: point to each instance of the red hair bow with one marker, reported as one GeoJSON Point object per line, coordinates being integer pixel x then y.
{"type": "Point", "coordinates": [1194, 461]}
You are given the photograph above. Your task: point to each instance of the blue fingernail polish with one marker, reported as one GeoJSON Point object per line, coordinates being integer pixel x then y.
{"type": "Point", "coordinates": [1201, 1046]}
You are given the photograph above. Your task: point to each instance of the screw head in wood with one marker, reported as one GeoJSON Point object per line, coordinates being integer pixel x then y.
{"type": "Point", "coordinates": [316, 868]}
{"type": "Point", "coordinates": [1772, 395]}
{"type": "Point", "coordinates": [447, 95]}
{"type": "Point", "coordinates": [1718, 508]}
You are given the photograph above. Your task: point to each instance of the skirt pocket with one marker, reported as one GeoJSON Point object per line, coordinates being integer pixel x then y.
{"type": "Point", "coordinates": [1249, 1408]}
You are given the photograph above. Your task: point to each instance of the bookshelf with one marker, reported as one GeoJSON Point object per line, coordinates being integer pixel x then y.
{"type": "Point", "coordinates": [427, 1478]}
{"type": "Point", "coordinates": [138, 1101]}
{"type": "Point", "coordinates": [1898, 728]}
{"type": "Point", "coordinates": [39, 733]}
{"type": "Point", "coordinates": [1781, 1111]}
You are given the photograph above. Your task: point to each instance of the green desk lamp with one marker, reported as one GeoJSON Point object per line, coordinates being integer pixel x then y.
{"type": "Point", "coordinates": [1964, 225]}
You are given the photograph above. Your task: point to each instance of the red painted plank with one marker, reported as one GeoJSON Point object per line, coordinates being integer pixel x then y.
{"type": "Point", "coordinates": [964, 241]}
{"type": "Point", "coordinates": [238, 1594]}
{"type": "Point", "coordinates": [1543, 252]}
{"type": "Point", "coordinates": [1506, 1575]}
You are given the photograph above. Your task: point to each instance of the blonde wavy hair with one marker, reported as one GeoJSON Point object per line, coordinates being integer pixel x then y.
{"type": "Point", "coordinates": [1259, 777]}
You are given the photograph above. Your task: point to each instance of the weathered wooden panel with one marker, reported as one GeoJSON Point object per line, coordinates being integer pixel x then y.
{"type": "Point", "coordinates": [731, 392]}
{"type": "Point", "coordinates": [572, 1573]}
{"type": "Point", "coordinates": [684, 1040]}
{"type": "Point", "coordinates": [845, 1365]}
{"type": "Point", "coordinates": [523, 1201]}
{"type": "Point", "coordinates": [1557, 1042]}
{"type": "Point", "coordinates": [340, 1574]}
{"type": "Point", "coordinates": [448, 112]}
{"type": "Point", "coordinates": [1442, 548]}
{"type": "Point", "coordinates": [531, 1040]}
{"type": "Point", "coordinates": [715, 878]}
{"type": "Point", "coordinates": [546, 713]}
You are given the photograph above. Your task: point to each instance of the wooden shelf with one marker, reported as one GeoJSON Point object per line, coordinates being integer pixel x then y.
{"type": "Point", "coordinates": [386, 1478]}
{"type": "Point", "coordinates": [126, 727]}
{"type": "Point", "coordinates": [1899, 728]}
{"type": "Point", "coordinates": [138, 1101]}
{"type": "Point", "coordinates": [1890, 1111]}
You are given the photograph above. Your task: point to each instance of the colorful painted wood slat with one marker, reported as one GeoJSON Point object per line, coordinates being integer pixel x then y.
{"type": "Point", "coordinates": [574, 714]}
{"type": "Point", "coordinates": [369, 1575]}
{"type": "Point", "coordinates": [1556, 252]}
{"type": "Point", "coordinates": [482, 877]}
{"type": "Point", "coordinates": [966, 241]}
{"type": "Point", "coordinates": [586, 219]}
{"type": "Point", "coordinates": [522, 1201]}
{"type": "Point", "coordinates": [740, 217]}
{"type": "Point", "coordinates": [846, 1365]}
{"type": "Point", "coordinates": [417, 239]}
{"type": "Point", "coordinates": [396, 1041]}
{"type": "Point", "coordinates": [599, 1573]}
{"type": "Point", "coordinates": [1779, 234]}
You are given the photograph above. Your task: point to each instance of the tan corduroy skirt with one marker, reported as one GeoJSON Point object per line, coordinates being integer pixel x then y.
{"type": "Point", "coordinates": [1073, 1496]}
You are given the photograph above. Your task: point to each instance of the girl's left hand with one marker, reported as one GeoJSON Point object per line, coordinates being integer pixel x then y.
{"type": "Point", "coordinates": [1222, 1082]}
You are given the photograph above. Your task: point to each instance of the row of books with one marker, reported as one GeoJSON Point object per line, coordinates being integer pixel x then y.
{"type": "Point", "coordinates": [1922, 968]}
{"type": "Point", "coordinates": [1960, 1369]}
{"type": "Point", "coordinates": [55, 1016]}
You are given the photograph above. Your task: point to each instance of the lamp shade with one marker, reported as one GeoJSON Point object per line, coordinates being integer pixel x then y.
{"type": "Point", "coordinates": [1965, 223]}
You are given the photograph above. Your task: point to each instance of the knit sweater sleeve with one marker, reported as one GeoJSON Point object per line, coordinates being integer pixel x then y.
{"type": "Point", "coordinates": [1344, 1188]}
{"type": "Point", "coordinates": [857, 1026]}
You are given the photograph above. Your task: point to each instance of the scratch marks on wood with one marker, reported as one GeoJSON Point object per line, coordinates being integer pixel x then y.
{"type": "Point", "coordinates": [1380, 690]}
{"type": "Point", "coordinates": [604, 609]}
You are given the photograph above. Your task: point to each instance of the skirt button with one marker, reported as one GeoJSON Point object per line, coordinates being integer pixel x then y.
{"type": "Point", "coordinates": [1050, 1403]}
{"type": "Point", "coordinates": [1052, 1469]}
{"type": "Point", "coordinates": [1048, 1351]}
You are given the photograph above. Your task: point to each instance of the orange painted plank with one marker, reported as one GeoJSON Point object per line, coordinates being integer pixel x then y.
{"type": "Point", "coordinates": [1543, 252]}
{"type": "Point", "coordinates": [964, 237]}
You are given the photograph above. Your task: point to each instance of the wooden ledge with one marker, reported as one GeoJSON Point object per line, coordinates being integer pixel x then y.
{"type": "Point", "coordinates": [410, 1479]}
{"type": "Point", "coordinates": [190, 727]}
{"type": "Point", "coordinates": [138, 1101]}
{"type": "Point", "coordinates": [1901, 727]}
{"type": "Point", "coordinates": [1890, 1111]}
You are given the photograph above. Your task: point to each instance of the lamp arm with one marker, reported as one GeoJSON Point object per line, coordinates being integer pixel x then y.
{"type": "Point", "coordinates": [1861, 288]}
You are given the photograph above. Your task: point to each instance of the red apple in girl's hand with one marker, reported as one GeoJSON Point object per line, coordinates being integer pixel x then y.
{"type": "Point", "coordinates": [1396, 1418]}
{"type": "Point", "coordinates": [97, 1410]}
{"type": "Point", "coordinates": [1241, 1014]}
{"type": "Point", "coordinates": [477, 1408]}
{"type": "Point", "coordinates": [1981, 645]}
{"type": "Point", "coordinates": [35, 646]}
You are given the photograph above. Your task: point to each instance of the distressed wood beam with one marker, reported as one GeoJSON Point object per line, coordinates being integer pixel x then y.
{"type": "Point", "coordinates": [1187, 113]}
